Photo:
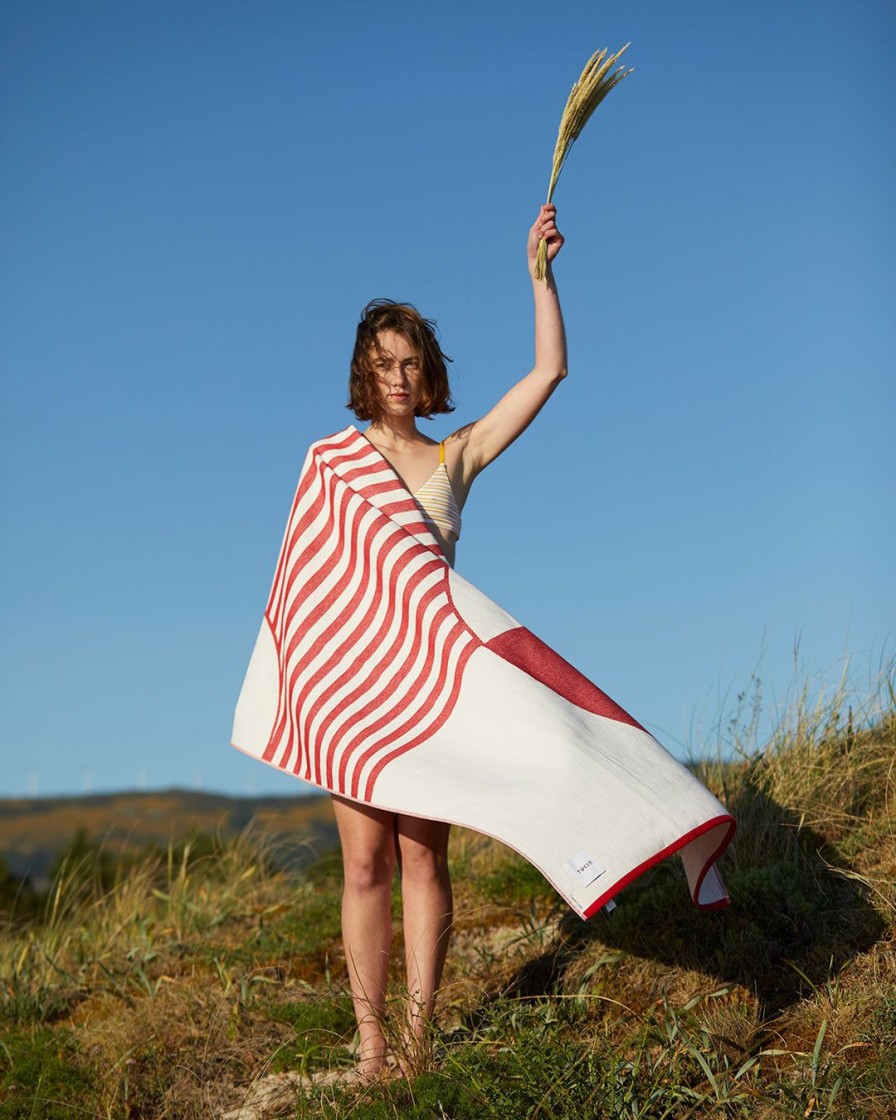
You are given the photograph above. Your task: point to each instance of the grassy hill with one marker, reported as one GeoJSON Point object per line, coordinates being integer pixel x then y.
{"type": "Point", "coordinates": [34, 831]}
{"type": "Point", "coordinates": [198, 983]}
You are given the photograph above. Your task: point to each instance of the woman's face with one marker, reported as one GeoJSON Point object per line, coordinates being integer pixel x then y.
{"type": "Point", "coordinates": [398, 370]}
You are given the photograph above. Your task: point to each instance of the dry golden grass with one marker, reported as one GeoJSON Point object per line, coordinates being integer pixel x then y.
{"type": "Point", "coordinates": [188, 981]}
{"type": "Point", "coordinates": [591, 87]}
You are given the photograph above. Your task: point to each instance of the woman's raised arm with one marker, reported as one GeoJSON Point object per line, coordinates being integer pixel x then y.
{"type": "Point", "coordinates": [485, 439]}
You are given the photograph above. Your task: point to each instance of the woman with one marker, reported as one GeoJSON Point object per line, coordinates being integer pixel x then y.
{"type": "Point", "coordinates": [398, 374]}
{"type": "Point", "coordinates": [382, 676]}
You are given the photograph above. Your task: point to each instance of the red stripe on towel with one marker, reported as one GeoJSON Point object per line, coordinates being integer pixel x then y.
{"type": "Point", "coordinates": [360, 602]}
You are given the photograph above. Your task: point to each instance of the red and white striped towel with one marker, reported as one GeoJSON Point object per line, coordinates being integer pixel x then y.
{"type": "Point", "coordinates": [382, 675]}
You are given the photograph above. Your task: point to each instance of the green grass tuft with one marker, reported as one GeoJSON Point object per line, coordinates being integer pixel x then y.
{"type": "Point", "coordinates": [324, 1028]}
{"type": "Point", "coordinates": [40, 1078]}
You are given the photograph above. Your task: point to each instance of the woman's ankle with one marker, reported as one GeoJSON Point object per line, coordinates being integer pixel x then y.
{"type": "Point", "coordinates": [371, 1055]}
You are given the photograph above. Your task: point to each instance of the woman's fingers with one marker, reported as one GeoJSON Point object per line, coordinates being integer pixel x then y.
{"type": "Point", "coordinates": [544, 228]}
{"type": "Point", "coordinates": [548, 230]}
{"type": "Point", "coordinates": [547, 216]}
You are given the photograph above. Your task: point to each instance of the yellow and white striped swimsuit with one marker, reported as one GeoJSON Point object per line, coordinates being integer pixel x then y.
{"type": "Point", "coordinates": [436, 498]}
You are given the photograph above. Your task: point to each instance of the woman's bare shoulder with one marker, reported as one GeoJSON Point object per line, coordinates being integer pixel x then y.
{"type": "Point", "coordinates": [460, 435]}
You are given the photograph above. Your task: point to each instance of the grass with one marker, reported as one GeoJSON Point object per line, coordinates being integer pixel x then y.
{"type": "Point", "coordinates": [163, 987]}
{"type": "Point", "coordinates": [40, 1075]}
{"type": "Point", "coordinates": [589, 89]}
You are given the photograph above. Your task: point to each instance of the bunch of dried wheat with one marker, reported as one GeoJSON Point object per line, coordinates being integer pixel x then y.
{"type": "Point", "coordinates": [593, 85]}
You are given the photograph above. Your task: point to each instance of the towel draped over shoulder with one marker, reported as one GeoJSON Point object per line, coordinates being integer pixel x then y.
{"type": "Point", "coordinates": [383, 676]}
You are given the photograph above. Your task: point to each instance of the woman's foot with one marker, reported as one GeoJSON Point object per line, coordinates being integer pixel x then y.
{"type": "Point", "coordinates": [372, 1069]}
{"type": "Point", "coordinates": [368, 1073]}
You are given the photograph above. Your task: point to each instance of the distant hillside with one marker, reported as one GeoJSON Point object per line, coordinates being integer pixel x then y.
{"type": "Point", "coordinates": [34, 831]}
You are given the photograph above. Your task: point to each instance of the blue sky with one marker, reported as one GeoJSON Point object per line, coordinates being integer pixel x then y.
{"type": "Point", "coordinates": [198, 198]}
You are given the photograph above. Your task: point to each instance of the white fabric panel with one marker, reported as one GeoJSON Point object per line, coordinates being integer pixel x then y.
{"type": "Point", "coordinates": [486, 619]}
{"type": "Point", "coordinates": [257, 705]}
{"type": "Point", "coordinates": [373, 679]}
{"type": "Point", "coordinates": [578, 782]}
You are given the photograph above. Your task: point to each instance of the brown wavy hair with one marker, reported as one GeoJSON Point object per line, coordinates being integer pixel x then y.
{"type": "Point", "coordinates": [403, 318]}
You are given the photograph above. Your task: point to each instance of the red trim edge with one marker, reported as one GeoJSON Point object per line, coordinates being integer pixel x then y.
{"type": "Point", "coordinates": [671, 849]}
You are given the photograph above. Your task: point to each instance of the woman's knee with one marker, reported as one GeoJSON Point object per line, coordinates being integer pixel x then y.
{"type": "Point", "coordinates": [368, 870]}
{"type": "Point", "coordinates": [421, 864]}
{"type": "Point", "coordinates": [367, 836]}
{"type": "Point", "coordinates": [423, 847]}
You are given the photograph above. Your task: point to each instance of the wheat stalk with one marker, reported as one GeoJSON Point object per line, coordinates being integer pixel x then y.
{"type": "Point", "coordinates": [594, 83]}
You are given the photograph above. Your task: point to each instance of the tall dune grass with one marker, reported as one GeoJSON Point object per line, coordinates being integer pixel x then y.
{"type": "Point", "coordinates": [196, 983]}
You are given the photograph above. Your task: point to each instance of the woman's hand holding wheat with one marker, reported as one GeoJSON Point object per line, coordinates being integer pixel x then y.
{"type": "Point", "coordinates": [544, 229]}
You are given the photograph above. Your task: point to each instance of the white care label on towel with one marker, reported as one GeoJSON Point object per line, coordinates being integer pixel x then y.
{"type": "Point", "coordinates": [584, 868]}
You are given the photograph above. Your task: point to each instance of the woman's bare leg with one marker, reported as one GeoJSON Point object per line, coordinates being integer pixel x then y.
{"type": "Point", "coordinates": [368, 858]}
{"type": "Point", "coordinates": [428, 912]}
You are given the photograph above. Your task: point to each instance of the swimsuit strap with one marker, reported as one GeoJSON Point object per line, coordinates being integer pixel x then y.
{"type": "Point", "coordinates": [441, 452]}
